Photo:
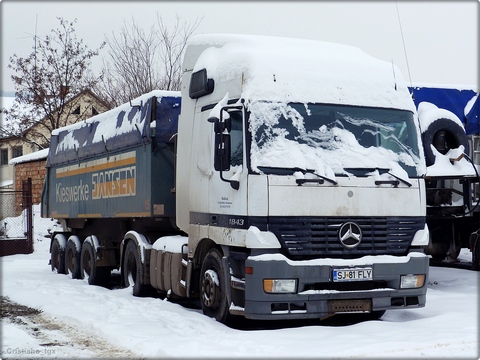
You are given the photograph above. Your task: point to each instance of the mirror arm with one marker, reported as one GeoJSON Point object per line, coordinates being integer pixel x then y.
{"type": "Point", "coordinates": [235, 184]}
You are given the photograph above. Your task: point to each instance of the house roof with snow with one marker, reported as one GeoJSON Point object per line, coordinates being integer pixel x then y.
{"type": "Point", "coordinates": [35, 156]}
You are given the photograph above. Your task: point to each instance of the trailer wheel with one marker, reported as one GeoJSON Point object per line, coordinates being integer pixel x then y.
{"type": "Point", "coordinates": [91, 273]}
{"type": "Point", "coordinates": [57, 254]}
{"type": "Point", "coordinates": [213, 296]}
{"type": "Point", "coordinates": [443, 134]}
{"type": "Point", "coordinates": [72, 257]}
{"type": "Point", "coordinates": [132, 270]}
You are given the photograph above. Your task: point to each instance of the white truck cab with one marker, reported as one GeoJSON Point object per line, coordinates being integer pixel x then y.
{"type": "Point", "coordinates": [299, 180]}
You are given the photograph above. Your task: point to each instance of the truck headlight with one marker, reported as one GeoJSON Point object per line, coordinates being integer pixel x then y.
{"type": "Point", "coordinates": [412, 281]}
{"type": "Point", "coordinates": [280, 286]}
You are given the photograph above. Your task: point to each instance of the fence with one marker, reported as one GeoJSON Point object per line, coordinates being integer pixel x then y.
{"type": "Point", "coordinates": [16, 230]}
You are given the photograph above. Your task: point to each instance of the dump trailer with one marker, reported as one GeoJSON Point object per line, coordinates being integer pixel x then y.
{"type": "Point", "coordinates": [450, 124]}
{"type": "Point", "coordinates": [290, 186]}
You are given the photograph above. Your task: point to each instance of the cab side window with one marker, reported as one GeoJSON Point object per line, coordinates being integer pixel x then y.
{"type": "Point", "coordinates": [236, 135]}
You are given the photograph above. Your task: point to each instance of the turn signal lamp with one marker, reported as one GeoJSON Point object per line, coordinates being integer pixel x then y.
{"type": "Point", "coordinates": [280, 286]}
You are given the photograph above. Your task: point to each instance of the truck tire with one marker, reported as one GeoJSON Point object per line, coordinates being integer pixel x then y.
{"type": "Point", "coordinates": [57, 254]}
{"type": "Point", "coordinates": [213, 297]}
{"type": "Point", "coordinates": [132, 270]}
{"type": "Point", "coordinates": [72, 257]}
{"type": "Point", "coordinates": [91, 273]}
{"type": "Point", "coordinates": [443, 134]}
{"type": "Point", "coordinates": [474, 242]}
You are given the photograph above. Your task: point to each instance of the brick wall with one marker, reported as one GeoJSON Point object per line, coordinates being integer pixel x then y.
{"type": "Point", "coordinates": [36, 171]}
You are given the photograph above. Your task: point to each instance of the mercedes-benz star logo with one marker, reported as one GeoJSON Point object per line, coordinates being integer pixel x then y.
{"type": "Point", "coordinates": [350, 235]}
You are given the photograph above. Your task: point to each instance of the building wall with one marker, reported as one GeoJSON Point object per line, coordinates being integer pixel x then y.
{"type": "Point", "coordinates": [6, 171]}
{"type": "Point", "coordinates": [36, 171]}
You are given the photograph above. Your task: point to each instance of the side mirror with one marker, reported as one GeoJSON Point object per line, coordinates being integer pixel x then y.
{"type": "Point", "coordinates": [223, 149]}
{"type": "Point", "coordinates": [200, 84]}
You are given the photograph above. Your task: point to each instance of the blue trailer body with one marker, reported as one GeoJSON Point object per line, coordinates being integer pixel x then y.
{"type": "Point", "coordinates": [453, 215]}
{"type": "Point", "coordinates": [119, 164]}
{"type": "Point", "coordinates": [463, 102]}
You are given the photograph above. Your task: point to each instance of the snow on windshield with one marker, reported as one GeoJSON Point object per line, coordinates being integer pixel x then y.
{"type": "Point", "coordinates": [330, 139]}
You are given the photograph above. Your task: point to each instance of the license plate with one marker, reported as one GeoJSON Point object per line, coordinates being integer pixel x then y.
{"type": "Point", "coordinates": [355, 274]}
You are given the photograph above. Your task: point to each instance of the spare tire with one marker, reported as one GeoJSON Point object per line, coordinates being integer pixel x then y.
{"type": "Point", "coordinates": [443, 134]}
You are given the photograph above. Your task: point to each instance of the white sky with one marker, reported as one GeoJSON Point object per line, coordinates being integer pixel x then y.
{"type": "Point", "coordinates": [440, 36]}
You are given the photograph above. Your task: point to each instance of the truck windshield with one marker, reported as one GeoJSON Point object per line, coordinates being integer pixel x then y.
{"type": "Point", "coordinates": [333, 139]}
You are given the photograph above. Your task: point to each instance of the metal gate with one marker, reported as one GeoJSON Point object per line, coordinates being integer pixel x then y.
{"type": "Point", "coordinates": [16, 220]}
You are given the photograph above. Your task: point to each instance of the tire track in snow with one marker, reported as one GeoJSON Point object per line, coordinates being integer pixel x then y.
{"type": "Point", "coordinates": [58, 339]}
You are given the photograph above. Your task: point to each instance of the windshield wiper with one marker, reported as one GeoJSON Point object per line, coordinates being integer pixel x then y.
{"type": "Point", "coordinates": [365, 171]}
{"type": "Point", "coordinates": [409, 184]}
{"type": "Point", "coordinates": [292, 170]}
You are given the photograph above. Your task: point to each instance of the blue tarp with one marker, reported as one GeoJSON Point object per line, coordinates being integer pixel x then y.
{"type": "Point", "coordinates": [454, 100]}
{"type": "Point", "coordinates": [118, 129]}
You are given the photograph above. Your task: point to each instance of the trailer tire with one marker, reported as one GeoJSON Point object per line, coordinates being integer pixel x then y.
{"type": "Point", "coordinates": [57, 254]}
{"type": "Point", "coordinates": [132, 270]}
{"type": "Point", "coordinates": [443, 134]}
{"type": "Point", "coordinates": [475, 246]}
{"type": "Point", "coordinates": [91, 273]}
{"type": "Point", "coordinates": [213, 297]}
{"type": "Point", "coordinates": [72, 257]}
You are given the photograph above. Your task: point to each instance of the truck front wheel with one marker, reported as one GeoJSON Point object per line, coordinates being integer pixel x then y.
{"type": "Point", "coordinates": [213, 295]}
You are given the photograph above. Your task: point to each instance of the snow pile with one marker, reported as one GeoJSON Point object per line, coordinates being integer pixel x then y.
{"type": "Point", "coordinates": [445, 166]}
{"type": "Point", "coordinates": [156, 328]}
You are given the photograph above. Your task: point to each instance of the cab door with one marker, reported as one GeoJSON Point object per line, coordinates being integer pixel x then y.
{"type": "Point", "coordinates": [228, 185]}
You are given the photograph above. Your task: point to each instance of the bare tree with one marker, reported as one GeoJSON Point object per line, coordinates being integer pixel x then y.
{"type": "Point", "coordinates": [46, 84]}
{"type": "Point", "coordinates": [140, 61]}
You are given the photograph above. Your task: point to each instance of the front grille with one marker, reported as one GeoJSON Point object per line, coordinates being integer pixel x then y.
{"type": "Point", "coordinates": [318, 236]}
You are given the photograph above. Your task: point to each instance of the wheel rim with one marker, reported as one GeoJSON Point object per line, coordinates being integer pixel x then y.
{"type": "Point", "coordinates": [131, 270]}
{"type": "Point", "coordinates": [55, 258]}
{"type": "Point", "coordinates": [210, 289]}
{"type": "Point", "coordinates": [69, 262]}
{"type": "Point", "coordinates": [86, 265]}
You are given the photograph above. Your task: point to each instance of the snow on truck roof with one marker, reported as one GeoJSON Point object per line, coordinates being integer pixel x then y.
{"type": "Point", "coordinates": [118, 128]}
{"type": "Point", "coordinates": [297, 70]}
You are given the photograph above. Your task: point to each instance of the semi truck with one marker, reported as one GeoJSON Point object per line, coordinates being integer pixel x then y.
{"type": "Point", "coordinates": [284, 181]}
{"type": "Point", "coordinates": [450, 124]}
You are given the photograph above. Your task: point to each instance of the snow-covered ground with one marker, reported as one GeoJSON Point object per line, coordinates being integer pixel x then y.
{"type": "Point", "coordinates": [91, 321]}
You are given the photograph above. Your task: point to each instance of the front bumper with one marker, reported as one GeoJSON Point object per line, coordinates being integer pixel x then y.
{"type": "Point", "coordinates": [318, 296]}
